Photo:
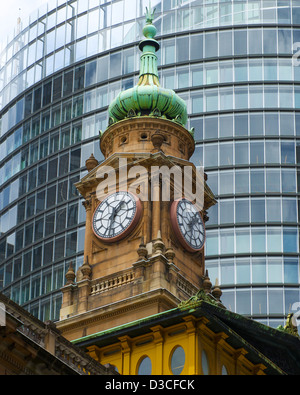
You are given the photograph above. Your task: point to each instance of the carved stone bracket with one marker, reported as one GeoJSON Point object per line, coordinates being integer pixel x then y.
{"type": "Point", "coordinates": [87, 204]}
{"type": "Point", "coordinates": [157, 139]}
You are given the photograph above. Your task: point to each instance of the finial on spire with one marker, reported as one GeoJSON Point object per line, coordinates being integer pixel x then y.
{"type": "Point", "coordinates": [150, 14]}
{"type": "Point", "coordinates": [148, 97]}
{"type": "Point", "coordinates": [149, 30]}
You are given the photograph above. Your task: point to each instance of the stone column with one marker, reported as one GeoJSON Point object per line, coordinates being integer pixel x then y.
{"type": "Point", "coordinates": [192, 356]}
{"type": "Point", "coordinates": [67, 307]}
{"type": "Point", "coordinates": [88, 228]}
{"type": "Point", "coordinates": [158, 341]}
{"type": "Point", "coordinates": [155, 207]}
{"type": "Point", "coordinates": [84, 287]}
{"type": "Point", "coordinates": [126, 355]}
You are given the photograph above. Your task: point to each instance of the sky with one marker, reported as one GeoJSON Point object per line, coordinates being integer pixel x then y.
{"type": "Point", "coordinates": [11, 10]}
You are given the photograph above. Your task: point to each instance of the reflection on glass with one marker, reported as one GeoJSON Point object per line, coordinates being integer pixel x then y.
{"type": "Point", "coordinates": [212, 100]}
{"type": "Point", "coordinates": [211, 155]}
{"type": "Point", "coordinates": [204, 362]}
{"type": "Point", "coordinates": [258, 210]}
{"type": "Point", "coordinates": [177, 360]}
{"type": "Point", "coordinates": [242, 241]}
{"type": "Point", "coordinates": [243, 301]}
{"type": "Point", "coordinates": [258, 242]}
{"type": "Point", "coordinates": [274, 240]}
{"type": "Point", "coordinates": [145, 366]}
{"type": "Point", "coordinates": [271, 99]}
{"type": "Point", "coordinates": [290, 241]}
{"type": "Point", "coordinates": [291, 271]}
{"type": "Point", "coordinates": [259, 271]}
{"type": "Point", "coordinates": [242, 211]}
{"type": "Point", "coordinates": [272, 180]}
{"type": "Point", "coordinates": [259, 301]}
{"type": "Point", "coordinates": [269, 41]}
{"type": "Point", "coordinates": [273, 210]}
{"type": "Point", "coordinates": [256, 125]}
{"type": "Point", "coordinates": [226, 154]}
{"type": "Point", "coordinates": [211, 73]}
{"type": "Point", "coordinates": [226, 211]}
{"type": "Point", "coordinates": [257, 152]}
{"type": "Point", "coordinates": [275, 301]}
{"type": "Point", "coordinates": [284, 41]}
{"type": "Point", "coordinates": [272, 152]}
{"type": "Point", "coordinates": [212, 243]}
{"type": "Point", "coordinates": [227, 242]}
{"type": "Point", "coordinates": [243, 271]}
{"type": "Point", "coordinates": [227, 185]}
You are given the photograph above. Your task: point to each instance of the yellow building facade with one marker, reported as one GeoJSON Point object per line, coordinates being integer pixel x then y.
{"type": "Point", "coordinates": [199, 337]}
{"type": "Point", "coordinates": [203, 352]}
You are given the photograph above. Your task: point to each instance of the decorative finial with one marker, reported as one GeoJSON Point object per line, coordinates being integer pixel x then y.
{"type": "Point", "coordinates": [207, 283]}
{"type": "Point", "coordinates": [216, 291]}
{"type": "Point", "coordinates": [70, 275]}
{"type": "Point", "coordinates": [91, 163]}
{"type": "Point", "coordinates": [150, 14]}
{"type": "Point", "coordinates": [86, 269]}
{"type": "Point", "coordinates": [149, 30]}
{"type": "Point", "coordinates": [142, 250]}
{"type": "Point", "coordinates": [158, 244]}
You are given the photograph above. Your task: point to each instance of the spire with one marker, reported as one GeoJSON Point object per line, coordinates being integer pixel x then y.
{"type": "Point", "coordinates": [149, 46]}
{"type": "Point", "coordinates": [148, 98]}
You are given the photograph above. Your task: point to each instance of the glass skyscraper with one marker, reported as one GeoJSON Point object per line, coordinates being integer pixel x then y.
{"type": "Point", "coordinates": [231, 61]}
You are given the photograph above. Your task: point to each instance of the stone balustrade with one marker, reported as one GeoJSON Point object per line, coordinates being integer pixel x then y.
{"type": "Point", "coordinates": [116, 280]}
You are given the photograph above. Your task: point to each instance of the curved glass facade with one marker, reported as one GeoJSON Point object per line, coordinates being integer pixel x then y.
{"type": "Point", "coordinates": [231, 61]}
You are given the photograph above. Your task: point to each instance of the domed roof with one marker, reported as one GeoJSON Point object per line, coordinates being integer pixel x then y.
{"type": "Point", "coordinates": [148, 97]}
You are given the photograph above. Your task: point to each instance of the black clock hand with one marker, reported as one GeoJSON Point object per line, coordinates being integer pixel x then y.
{"type": "Point", "coordinates": [117, 208]}
{"type": "Point", "coordinates": [113, 214]}
{"type": "Point", "coordinates": [192, 221]}
{"type": "Point", "coordinates": [111, 220]}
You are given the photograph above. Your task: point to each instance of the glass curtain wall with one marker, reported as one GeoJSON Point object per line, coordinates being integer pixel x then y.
{"type": "Point", "coordinates": [236, 65]}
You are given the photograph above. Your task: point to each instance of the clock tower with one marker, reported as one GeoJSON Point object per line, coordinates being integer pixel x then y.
{"type": "Point", "coordinates": [146, 207]}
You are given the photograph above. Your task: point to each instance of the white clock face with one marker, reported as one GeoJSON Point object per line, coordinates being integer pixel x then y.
{"type": "Point", "coordinates": [188, 225]}
{"type": "Point", "coordinates": [116, 215]}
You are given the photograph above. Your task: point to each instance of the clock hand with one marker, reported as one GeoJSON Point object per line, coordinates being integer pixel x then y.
{"type": "Point", "coordinates": [111, 220]}
{"type": "Point", "coordinates": [113, 214]}
{"type": "Point", "coordinates": [117, 208]}
{"type": "Point", "coordinates": [192, 221]}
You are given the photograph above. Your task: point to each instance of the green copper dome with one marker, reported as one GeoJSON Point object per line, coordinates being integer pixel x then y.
{"type": "Point", "coordinates": [148, 97]}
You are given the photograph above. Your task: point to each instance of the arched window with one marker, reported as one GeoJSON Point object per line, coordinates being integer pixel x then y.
{"type": "Point", "coordinates": [224, 371]}
{"type": "Point", "coordinates": [115, 368]}
{"type": "Point", "coordinates": [177, 360]}
{"type": "Point", "coordinates": [205, 366]}
{"type": "Point", "coordinates": [145, 366]}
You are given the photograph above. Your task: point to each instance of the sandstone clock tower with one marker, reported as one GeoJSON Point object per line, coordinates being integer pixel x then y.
{"type": "Point", "coordinates": [144, 238]}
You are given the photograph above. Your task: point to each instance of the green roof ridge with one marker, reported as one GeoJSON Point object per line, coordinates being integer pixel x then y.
{"type": "Point", "coordinates": [123, 326]}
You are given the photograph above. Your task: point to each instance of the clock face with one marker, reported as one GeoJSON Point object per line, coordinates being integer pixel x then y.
{"type": "Point", "coordinates": [116, 216]}
{"type": "Point", "coordinates": [188, 225]}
